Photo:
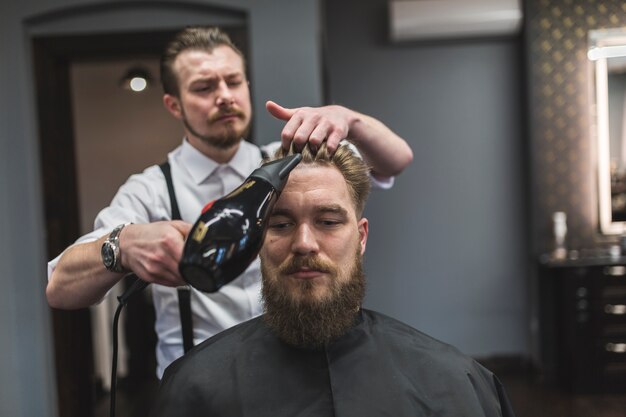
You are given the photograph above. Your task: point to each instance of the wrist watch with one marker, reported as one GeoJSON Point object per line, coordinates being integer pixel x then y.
{"type": "Point", "coordinates": [110, 252]}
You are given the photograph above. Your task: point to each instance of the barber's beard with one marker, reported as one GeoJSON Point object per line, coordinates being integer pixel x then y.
{"type": "Point", "coordinates": [227, 137]}
{"type": "Point", "coordinates": [299, 318]}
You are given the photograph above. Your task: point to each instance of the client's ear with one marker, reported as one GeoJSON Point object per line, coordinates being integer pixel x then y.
{"type": "Point", "coordinates": [363, 226]}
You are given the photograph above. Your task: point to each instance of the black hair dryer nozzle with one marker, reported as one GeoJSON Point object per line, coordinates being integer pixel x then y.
{"type": "Point", "coordinates": [229, 233]}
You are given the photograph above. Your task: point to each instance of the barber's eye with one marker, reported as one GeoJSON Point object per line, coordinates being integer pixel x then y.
{"type": "Point", "coordinates": [204, 88]}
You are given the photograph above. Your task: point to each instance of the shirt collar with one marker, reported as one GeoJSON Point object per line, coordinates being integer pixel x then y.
{"type": "Point", "coordinates": [200, 166]}
{"type": "Point", "coordinates": [247, 159]}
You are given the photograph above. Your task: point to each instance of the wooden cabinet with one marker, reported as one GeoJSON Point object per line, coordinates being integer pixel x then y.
{"type": "Point", "coordinates": [585, 324]}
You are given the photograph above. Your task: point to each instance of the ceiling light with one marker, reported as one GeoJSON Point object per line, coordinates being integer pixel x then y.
{"type": "Point", "coordinates": [136, 79]}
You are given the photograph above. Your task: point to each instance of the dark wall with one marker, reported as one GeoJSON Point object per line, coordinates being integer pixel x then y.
{"type": "Point", "coordinates": [447, 248]}
{"type": "Point", "coordinates": [560, 98]}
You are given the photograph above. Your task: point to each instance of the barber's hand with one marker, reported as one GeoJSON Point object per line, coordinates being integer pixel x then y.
{"type": "Point", "coordinates": [313, 124]}
{"type": "Point", "coordinates": [153, 250]}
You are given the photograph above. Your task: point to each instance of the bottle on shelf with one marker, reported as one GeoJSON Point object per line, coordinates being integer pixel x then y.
{"type": "Point", "coordinates": [559, 219]}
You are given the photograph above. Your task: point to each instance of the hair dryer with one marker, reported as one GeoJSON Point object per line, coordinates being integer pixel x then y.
{"type": "Point", "coordinates": [229, 233]}
{"type": "Point", "coordinates": [224, 240]}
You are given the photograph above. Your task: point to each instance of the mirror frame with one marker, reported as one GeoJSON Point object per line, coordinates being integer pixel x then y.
{"type": "Point", "coordinates": [604, 44]}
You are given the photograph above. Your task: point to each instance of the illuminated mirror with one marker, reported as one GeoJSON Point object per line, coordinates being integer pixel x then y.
{"type": "Point", "coordinates": [607, 51]}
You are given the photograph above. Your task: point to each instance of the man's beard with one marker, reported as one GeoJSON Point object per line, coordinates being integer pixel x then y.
{"type": "Point", "coordinates": [302, 320]}
{"type": "Point", "coordinates": [227, 138]}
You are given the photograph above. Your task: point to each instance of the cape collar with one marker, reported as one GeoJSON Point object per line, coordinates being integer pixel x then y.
{"type": "Point", "coordinates": [353, 333]}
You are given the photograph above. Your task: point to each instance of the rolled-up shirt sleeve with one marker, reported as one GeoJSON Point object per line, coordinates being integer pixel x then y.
{"type": "Point", "coordinates": [139, 200]}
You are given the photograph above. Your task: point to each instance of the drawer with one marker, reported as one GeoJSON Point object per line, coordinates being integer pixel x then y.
{"type": "Point", "coordinates": [612, 331]}
{"type": "Point", "coordinates": [610, 314]}
{"type": "Point", "coordinates": [611, 363]}
{"type": "Point", "coordinates": [612, 350]}
{"type": "Point", "coordinates": [608, 275]}
{"type": "Point", "coordinates": [613, 291]}
{"type": "Point", "coordinates": [589, 307]}
{"type": "Point", "coordinates": [614, 271]}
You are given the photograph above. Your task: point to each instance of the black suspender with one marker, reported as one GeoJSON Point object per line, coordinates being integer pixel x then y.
{"type": "Point", "coordinates": [184, 305]}
{"type": "Point", "coordinates": [165, 167]}
{"type": "Point", "coordinates": [184, 293]}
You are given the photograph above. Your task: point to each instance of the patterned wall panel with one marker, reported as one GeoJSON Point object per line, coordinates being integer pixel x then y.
{"type": "Point", "coordinates": [562, 150]}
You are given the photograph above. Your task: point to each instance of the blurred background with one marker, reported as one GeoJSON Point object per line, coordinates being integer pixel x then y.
{"type": "Point", "coordinates": [498, 100]}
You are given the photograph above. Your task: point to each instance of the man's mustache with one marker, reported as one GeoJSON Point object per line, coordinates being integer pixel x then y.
{"type": "Point", "coordinates": [298, 263]}
{"type": "Point", "coordinates": [226, 113]}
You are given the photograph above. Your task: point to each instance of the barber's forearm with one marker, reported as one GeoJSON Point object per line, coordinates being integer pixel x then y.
{"type": "Point", "coordinates": [80, 279]}
{"type": "Point", "coordinates": [387, 153]}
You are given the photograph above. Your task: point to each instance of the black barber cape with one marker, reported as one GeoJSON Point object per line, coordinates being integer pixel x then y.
{"type": "Point", "coordinates": [381, 367]}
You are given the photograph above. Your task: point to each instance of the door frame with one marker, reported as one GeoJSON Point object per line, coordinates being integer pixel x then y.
{"type": "Point", "coordinates": [52, 58]}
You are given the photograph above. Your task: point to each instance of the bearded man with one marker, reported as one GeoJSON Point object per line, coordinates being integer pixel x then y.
{"type": "Point", "coordinates": [315, 351]}
{"type": "Point", "coordinates": [144, 229]}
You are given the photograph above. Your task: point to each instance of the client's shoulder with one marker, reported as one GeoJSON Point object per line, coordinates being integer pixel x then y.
{"type": "Point", "coordinates": [218, 350]}
{"type": "Point", "coordinates": [402, 336]}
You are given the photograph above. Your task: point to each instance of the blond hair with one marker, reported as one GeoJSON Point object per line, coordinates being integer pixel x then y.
{"type": "Point", "coordinates": [351, 166]}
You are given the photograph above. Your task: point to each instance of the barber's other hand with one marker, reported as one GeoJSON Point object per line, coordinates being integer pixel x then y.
{"type": "Point", "coordinates": [153, 250]}
{"type": "Point", "coordinates": [313, 124]}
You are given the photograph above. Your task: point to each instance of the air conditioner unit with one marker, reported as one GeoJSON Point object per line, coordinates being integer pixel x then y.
{"type": "Point", "coordinates": [446, 19]}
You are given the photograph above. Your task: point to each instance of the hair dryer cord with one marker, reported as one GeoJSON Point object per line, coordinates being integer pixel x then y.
{"type": "Point", "coordinates": [136, 287]}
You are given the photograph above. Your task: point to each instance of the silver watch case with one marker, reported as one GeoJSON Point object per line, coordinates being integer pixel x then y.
{"type": "Point", "coordinates": [110, 251]}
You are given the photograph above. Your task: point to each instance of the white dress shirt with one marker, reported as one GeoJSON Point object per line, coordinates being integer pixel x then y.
{"type": "Point", "coordinates": [197, 180]}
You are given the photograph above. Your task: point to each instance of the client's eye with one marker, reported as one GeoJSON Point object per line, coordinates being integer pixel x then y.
{"type": "Point", "coordinates": [279, 224]}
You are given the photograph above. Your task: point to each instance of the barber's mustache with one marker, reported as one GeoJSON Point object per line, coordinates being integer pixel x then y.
{"type": "Point", "coordinates": [226, 113]}
{"type": "Point", "coordinates": [314, 263]}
